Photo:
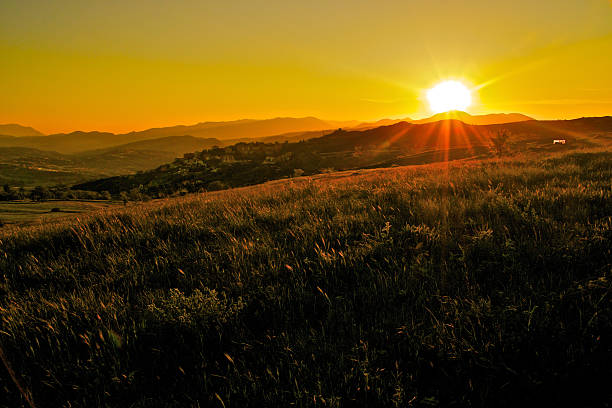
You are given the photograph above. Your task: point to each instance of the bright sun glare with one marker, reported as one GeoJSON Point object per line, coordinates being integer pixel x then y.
{"type": "Point", "coordinates": [449, 95]}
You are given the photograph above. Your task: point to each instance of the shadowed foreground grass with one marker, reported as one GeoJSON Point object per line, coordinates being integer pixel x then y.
{"type": "Point", "coordinates": [477, 285]}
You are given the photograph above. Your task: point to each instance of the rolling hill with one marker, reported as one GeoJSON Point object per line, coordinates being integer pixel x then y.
{"type": "Point", "coordinates": [454, 133]}
{"type": "Point", "coordinates": [92, 155]}
{"type": "Point", "coordinates": [143, 155]}
{"type": "Point", "coordinates": [28, 166]}
{"type": "Point", "coordinates": [398, 144]}
{"type": "Point", "coordinates": [171, 144]}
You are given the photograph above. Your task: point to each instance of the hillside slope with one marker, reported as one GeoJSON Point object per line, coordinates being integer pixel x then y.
{"type": "Point", "coordinates": [177, 145]}
{"type": "Point", "coordinates": [29, 167]}
{"type": "Point", "coordinates": [395, 145]}
{"type": "Point", "coordinates": [481, 285]}
{"type": "Point", "coordinates": [143, 155]}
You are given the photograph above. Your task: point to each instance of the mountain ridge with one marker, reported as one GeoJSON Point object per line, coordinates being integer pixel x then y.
{"type": "Point", "coordinates": [16, 130]}
{"type": "Point", "coordinates": [486, 119]}
{"type": "Point", "coordinates": [80, 141]}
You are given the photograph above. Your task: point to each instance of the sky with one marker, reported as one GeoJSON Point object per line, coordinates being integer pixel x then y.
{"type": "Point", "coordinates": [115, 65]}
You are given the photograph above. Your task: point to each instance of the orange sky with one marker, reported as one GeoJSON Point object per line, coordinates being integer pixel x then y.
{"type": "Point", "coordinates": [119, 66]}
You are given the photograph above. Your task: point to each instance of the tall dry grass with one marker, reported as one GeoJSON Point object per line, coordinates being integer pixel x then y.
{"type": "Point", "coordinates": [472, 284]}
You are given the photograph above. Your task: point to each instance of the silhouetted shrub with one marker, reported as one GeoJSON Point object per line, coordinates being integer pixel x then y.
{"type": "Point", "coordinates": [216, 185]}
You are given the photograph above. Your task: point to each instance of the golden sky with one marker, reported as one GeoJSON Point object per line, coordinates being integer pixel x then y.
{"type": "Point", "coordinates": [118, 65]}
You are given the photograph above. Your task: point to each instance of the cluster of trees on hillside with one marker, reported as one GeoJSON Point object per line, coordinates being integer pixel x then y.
{"type": "Point", "coordinates": [41, 193]}
{"type": "Point", "coordinates": [61, 192]}
{"type": "Point", "coordinates": [217, 168]}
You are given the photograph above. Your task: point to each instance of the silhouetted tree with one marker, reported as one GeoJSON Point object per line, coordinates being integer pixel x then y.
{"type": "Point", "coordinates": [135, 194]}
{"type": "Point", "coordinates": [500, 141]}
{"type": "Point", "coordinates": [39, 193]}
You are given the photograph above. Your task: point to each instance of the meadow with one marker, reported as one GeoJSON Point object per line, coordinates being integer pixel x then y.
{"type": "Point", "coordinates": [484, 283]}
{"type": "Point", "coordinates": [20, 213]}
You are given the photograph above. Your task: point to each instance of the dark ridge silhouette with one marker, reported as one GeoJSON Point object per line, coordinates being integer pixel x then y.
{"type": "Point", "coordinates": [453, 133]}
{"type": "Point", "coordinates": [379, 123]}
{"type": "Point", "coordinates": [490, 119]}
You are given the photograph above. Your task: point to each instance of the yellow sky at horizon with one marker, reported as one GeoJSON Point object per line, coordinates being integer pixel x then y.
{"type": "Point", "coordinates": [105, 65]}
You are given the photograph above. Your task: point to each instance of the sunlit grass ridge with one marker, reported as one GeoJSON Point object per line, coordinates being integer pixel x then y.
{"type": "Point", "coordinates": [482, 283]}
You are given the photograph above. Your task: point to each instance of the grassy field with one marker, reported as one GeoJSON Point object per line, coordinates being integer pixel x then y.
{"type": "Point", "coordinates": [20, 213]}
{"type": "Point", "coordinates": [467, 284]}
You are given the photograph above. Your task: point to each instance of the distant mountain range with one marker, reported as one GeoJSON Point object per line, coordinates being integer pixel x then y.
{"type": "Point", "coordinates": [224, 132]}
{"type": "Point", "coordinates": [246, 128]}
{"type": "Point", "coordinates": [490, 119]}
{"type": "Point", "coordinates": [277, 129]}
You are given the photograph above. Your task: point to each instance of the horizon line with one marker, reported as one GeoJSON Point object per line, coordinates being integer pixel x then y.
{"type": "Point", "coordinates": [407, 118]}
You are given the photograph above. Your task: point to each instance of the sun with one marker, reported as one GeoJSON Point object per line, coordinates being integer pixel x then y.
{"type": "Point", "coordinates": [449, 95]}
